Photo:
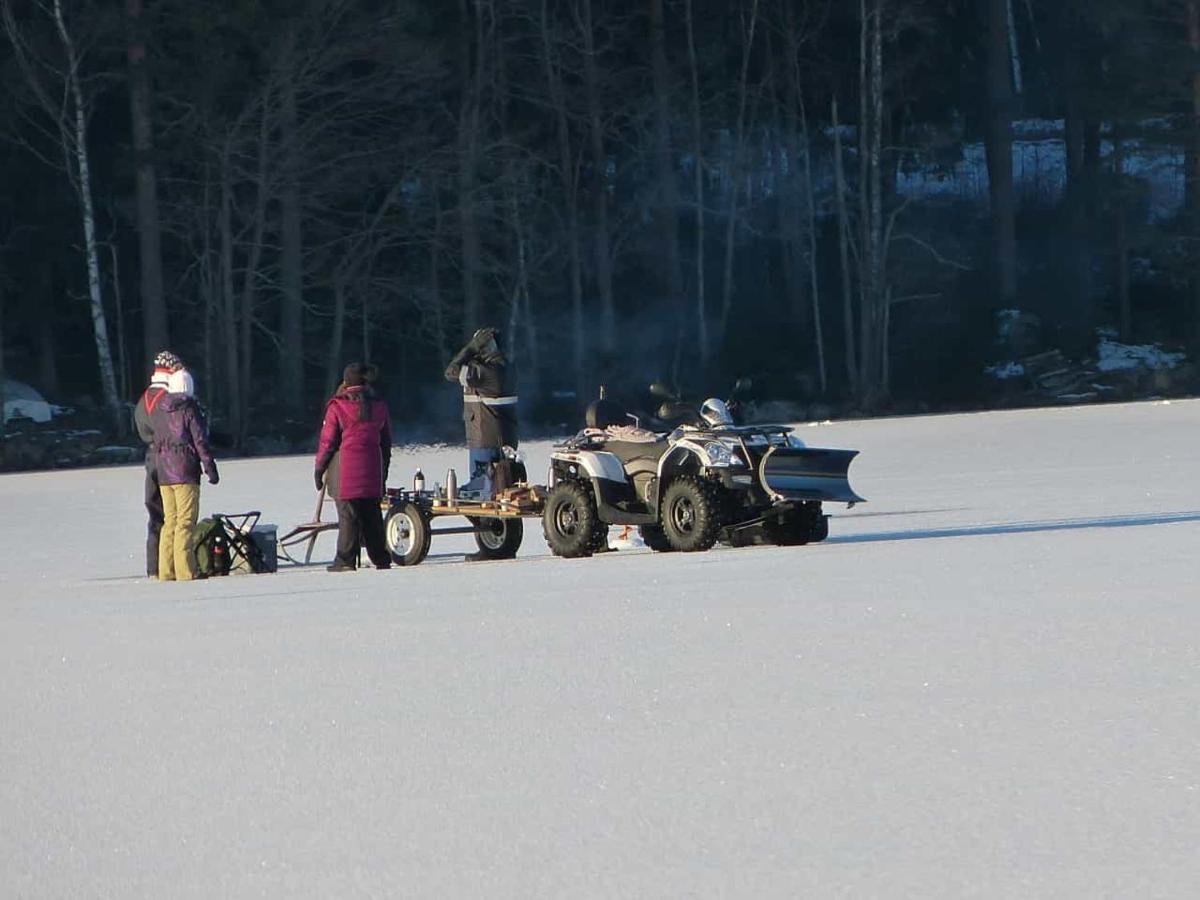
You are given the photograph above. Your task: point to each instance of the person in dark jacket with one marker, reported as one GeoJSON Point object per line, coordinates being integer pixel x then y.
{"type": "Point", "coordinates": [489, 404]}
{"type": "Point", "coordinates": [165, 362]}
{"type": "Point", "coordinates": [358, 430]}
{"type": "Point", "coordinates": [181, 451]}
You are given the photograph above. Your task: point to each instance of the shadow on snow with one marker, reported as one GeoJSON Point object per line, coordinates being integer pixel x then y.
{"type": "Point", "coordinates": [1018, 528]}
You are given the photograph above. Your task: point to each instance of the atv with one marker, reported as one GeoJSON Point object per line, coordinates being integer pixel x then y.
{"type": "Point", "coordinates": [707, 479]}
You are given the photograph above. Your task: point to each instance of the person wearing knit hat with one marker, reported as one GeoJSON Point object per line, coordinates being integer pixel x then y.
{"type": "Point", "coordinates": [165, 362]}
{"type": "Point", "coordinates": [181, 452]}
{"type": "Point", "coordinates": [357, 433]}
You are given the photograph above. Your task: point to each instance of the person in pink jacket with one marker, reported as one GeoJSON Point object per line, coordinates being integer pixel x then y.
{"type": "Point", "coordinates": [357, 429]}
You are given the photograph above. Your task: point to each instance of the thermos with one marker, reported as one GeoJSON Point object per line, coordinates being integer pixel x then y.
{"type": "Point", "coordinates": [451, 486]}
{"type": "Point", "coordinates": [418, 482]}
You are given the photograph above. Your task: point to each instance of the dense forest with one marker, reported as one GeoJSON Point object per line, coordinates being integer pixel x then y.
{"type": "Point", "coordinates": [860, 204]}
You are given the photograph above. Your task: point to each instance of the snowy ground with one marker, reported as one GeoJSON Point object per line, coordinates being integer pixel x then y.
{"type": "Point", "coordinates": [984, 684]}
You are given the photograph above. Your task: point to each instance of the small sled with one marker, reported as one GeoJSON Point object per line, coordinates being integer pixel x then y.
{"type": "Point", "coordinates": [305, 536]}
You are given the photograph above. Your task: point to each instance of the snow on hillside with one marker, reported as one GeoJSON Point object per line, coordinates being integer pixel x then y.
{"type": "Point", "coordinates": [983, 684]}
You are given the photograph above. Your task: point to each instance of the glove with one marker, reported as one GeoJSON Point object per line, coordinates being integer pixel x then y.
{"type": "Point", "coordinates": [211, 471]}
{"type": "Point", "coordinates": [481, 339]}
{"type": "Point", "coordinates": [319, 478]}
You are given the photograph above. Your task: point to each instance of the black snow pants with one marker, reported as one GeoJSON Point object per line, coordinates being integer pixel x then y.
{"type": "Point", "coordinates": [154, 510]}
{"type": "Point", "coordinates": [360, 523]}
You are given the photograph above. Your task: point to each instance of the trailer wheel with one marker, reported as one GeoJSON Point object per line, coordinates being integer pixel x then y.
{"type": "Point", "coordinates": [655, 538]}
{"type": "Point", "coordinates": [570, 521]}
{"type": "Point", "coordinates": [408, 535]}
{"type": "Point", "coordinates": [691, 514]}
{"type": "Point", "coordinates": [498, 538]}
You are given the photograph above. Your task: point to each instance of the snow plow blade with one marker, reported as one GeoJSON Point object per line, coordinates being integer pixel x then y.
{"type": "Point", "coordinates": [809, 473]}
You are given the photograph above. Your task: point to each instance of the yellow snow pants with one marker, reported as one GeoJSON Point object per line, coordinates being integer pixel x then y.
{"type": "Point", "coordinates": [181, 508]}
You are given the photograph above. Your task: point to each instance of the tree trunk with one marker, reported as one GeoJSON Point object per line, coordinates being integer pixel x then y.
{"type": "Point", "coordinates": [122, 357]}
{"type": "Point", "coordinates": [602, 244]}
{"type": "Point", "coordinates": [999, 156]}
{"type": "Point", "coordinates": [1192, 175]}
{"type": "Point", "coordinates": [1081, 156]}
{"type": "Point", "coordinates": [47, 342]}
{"type": "Point", "coordinates": [333, 367]}
{"type": "Point", "coordinates": [154, 309]}
{"type": "Point", "coordinates": [872, 286]}
{"type": "Point", "coordinates": [789, 204]}
{"type": "Point", "coordinates": [435, 283]}
{"type": "Point", "coordinates": [254, 257]}
{"type": "Point", "coordinates": [468, 161]}
{"type": "Point", "coordinates": [667, 208]}
{"type": "Point", "coordinates": [738, 148]}
{"type": "Point", "coordinates": [839, 174]}
{"type": "Point", "coordinates": [872, 354]}
{"type": "Point", "coordinates": [1121, 236]}
{"type": "Point", "coordinates": [291, 251]}
{"type": "Point", "coordinates": [3, 371]}
{"type": "Point", "coordinates": [83, 172]}
{"type": "Point", "coordinates": [702, 339]}
{"type": "Point", "coordinates": [814, 286]}
{"type": "Point", "coordinates": [229, 318]}
{"type": "Point", "coordinates": [1014, 49]}
{"type": "Point", "coordinates": [566, 164]}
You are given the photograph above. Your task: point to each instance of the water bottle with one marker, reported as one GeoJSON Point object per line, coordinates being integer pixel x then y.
{"type": "Point", "coordinates": [220, 558]}
{"type": "Point", "coordinates": [451, 486]}
{"type": "Point", "coordinates": [418, 482]}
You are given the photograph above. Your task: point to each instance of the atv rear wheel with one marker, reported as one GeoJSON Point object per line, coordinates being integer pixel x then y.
{"type": "Point", "coordinates": [691, 514]}
{"type": "Point", "coordinates": [408, 535]}
{"type": "Point", "coordinates": [570, 521]}
{"type": "Point", "coordinates": [655, 538]}
{"type": "Point", "coordinates": [498, 538]}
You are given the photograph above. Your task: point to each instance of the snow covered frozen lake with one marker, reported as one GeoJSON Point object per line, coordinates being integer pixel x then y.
{"type": "Point", "coordinates": [986, 683]}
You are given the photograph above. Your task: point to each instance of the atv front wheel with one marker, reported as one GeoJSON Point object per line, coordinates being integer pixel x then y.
{"type": "Point", "coordinates": [498, 538]}
{"type": "Point", "coordinates": [570, 521]}
{"type": "Point", "coordinates": [691, 514]}
{"type": "Point", "coordinates": [408, 535]}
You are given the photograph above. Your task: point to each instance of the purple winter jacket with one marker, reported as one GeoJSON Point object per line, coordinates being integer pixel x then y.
{"type": "Point", "coordinates": [180, 440]}
{"type": "Point", "coordinates": [358, 429]}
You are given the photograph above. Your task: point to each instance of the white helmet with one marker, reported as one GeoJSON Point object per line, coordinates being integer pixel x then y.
{"type": "Point", "coordinates": [715, 412]}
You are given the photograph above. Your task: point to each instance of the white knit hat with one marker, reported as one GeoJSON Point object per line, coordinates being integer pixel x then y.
{"type": "Point", "coordinates": [180, 382]}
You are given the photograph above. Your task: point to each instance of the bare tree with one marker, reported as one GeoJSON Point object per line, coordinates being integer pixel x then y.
{"type": "Point", "coordinates": [999, 153]}
{"type": "Point", "coordinates": [698, 183]}
{"type": "Point", "coordinates": [470, 126]}
{"type": "Point", "coordinates": [601, 243]}
{"type": "Point", "coordinates": [843, 219]}
{"type": "Point", "coordinates": [666, 188]}
{"type": "Point", "coordinates": [64, 102]}
{"type": "Point", "coordinates": [569, 181]}
{"type": "Point", "coordinates": [154, 309]}
{"type": "Point", "coordinates": [739, 149]}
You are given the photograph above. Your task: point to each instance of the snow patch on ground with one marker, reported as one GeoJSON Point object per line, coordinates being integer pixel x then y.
{"type": "Point", "coordinates": [1006, 370]}
{"type": "Point", "coordinates": [1111, 356]}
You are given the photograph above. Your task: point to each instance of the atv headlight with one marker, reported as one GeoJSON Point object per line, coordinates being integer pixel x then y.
{"type": "Point", "coordinates": [720, 455]}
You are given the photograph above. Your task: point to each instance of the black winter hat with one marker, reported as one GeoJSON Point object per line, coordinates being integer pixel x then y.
{"type": "Point", "coordinates": [357, 374]}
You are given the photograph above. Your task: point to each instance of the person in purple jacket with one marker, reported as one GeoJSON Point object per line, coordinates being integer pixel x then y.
{"type": "Point", "coordinates": [181, 451]}
{"type": "Point", "coordinates": [357, 429]}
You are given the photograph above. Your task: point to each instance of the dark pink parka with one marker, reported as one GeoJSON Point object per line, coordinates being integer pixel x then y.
{"type": "Point", "coordinates": [357, 428]}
